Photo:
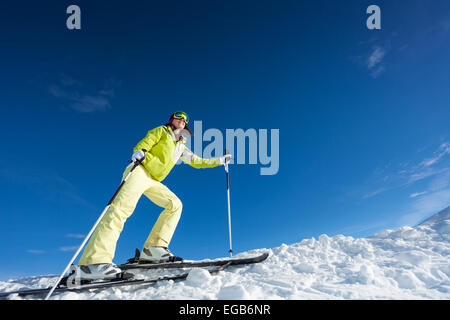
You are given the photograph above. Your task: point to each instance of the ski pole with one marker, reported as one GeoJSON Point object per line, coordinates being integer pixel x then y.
{"type": "Point", "coordinates": [229, 209]}
{"type": "Point", "coordinates": [135, 164]}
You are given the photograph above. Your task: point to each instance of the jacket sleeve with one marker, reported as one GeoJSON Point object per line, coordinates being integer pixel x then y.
{"type": "Point", "coordinates": [195, 161]}
{"type": "Point", "coordinates": [153, 136]}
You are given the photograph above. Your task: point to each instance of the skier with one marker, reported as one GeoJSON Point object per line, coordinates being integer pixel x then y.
{"type": "Point", "coordinates": [158, 152]}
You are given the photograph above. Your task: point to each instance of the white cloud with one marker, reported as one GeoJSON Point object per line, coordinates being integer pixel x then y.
{"type": "Point", "coordinates": [374, 61]}
{"type": "Point", "coordinates": [414, 195]}
{"type": "Point", "coordinates": [419, 174]}
{"type": "Point", "coordinates": [429, 166]}
{"type": "Point", "coordinates": [90, 103]}
{"type": "Point", "coordinates": [443, 150]}
{"type": "Point", "coordinates": [69, 248]}
{"type": "Point", "coordinates": [75, 94]}
{"type": "Point", "coordinates": [75, 235]}
{"type": "Point", "coordinates": [408, 174]}
{"type": "Point", "coordinates": [375, 57]}
{"type": "Point", "coordinates": [426, 206]}
{"type": "Point", "coordinates": [33, 251]}
{"type": "Point", "coordinates": [435, 198]}
{"type": "Point", "coordinates": [377, 71]}
{"type": "Point", "coordinates": [374, 193]}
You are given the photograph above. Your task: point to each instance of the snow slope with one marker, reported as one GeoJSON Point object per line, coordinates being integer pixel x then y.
{"type": "Point", "coordinates": [406, 263]}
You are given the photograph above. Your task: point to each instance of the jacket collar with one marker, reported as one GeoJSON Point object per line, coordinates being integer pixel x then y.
{"type": "Point", "coordinates": [170, 132]}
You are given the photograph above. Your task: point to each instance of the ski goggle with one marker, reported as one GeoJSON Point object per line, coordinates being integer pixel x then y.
{"type": "Point", "coordinates": [181, 115]}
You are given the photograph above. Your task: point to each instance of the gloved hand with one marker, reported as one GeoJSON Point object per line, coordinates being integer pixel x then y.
{"type": "Point", "coordinates": [138, 156]}
{"type": "Point", "coordinates": [225, 159]}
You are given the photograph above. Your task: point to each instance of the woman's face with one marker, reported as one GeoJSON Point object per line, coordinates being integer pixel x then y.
{"type": "Point", "coordinates": [179, 123]}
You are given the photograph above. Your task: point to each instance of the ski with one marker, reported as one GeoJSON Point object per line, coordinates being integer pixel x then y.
{"type": "Point", "coordinates": [219, 264]}
{"type": "Point", "coordinates": [105, 284]}
{"type": "Point", "coordinates": [194, 264]}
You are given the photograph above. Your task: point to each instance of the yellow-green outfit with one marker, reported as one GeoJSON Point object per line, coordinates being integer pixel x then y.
{"type": "Point", "coordinates": [163, 151]}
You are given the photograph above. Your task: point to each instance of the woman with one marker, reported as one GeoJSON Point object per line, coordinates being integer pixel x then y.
{"type": "Point", "coordinates": [158, 152]}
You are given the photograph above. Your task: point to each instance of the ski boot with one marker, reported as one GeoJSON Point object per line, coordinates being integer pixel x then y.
{"type": "Point", "coordinates": [80, 275]}
{"type": "Point", "coordinates": [157, 255]}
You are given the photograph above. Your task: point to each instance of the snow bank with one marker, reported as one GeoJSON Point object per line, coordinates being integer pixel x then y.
{"type": "Point", "coordinates": [406, 263]}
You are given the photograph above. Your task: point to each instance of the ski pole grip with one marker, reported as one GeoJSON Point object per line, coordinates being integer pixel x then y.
{"type": "Point", "coordinates": [227, 162]}
{"type": "Point", "coordinates": [138, 161]}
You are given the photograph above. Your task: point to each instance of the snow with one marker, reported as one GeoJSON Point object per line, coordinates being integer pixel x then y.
{"type": "Point", "coordinates": [405, 263]}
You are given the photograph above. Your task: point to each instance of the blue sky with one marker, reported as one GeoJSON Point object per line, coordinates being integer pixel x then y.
{"type": "Point", "coordinates": [363, 118]}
